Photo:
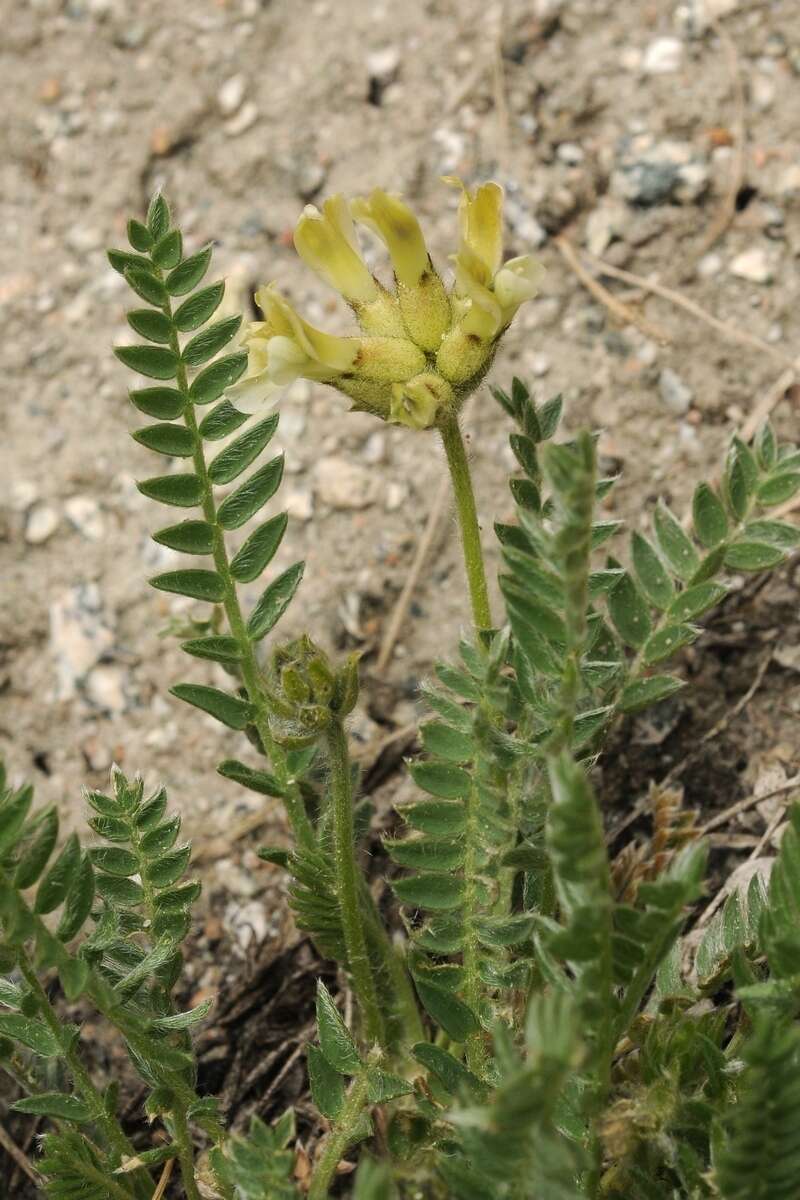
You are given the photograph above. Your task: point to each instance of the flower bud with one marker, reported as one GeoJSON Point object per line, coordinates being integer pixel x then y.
{"type": "Point", "coordinates": [388, 360]}
{"type": "Point", "coordinates": [418, 402]}
{"type": "Point", "coordinates": [345, 693]}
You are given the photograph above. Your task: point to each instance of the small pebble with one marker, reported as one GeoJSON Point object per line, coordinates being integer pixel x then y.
{"type": "Point", "coordinates": [231, 95]}
{"type": "Point", "coordinates": [663, 56]}
{"type": "Point", "coordinates": [242, 121]}
{"type": "Point", "coordinates": [299, 504]}
{"type": "Point", "coordinates": [709, 265]}
{"type": "Point", "coordinates": [41, 524]}
{"type": "Point", "coordinates": [84, 513]}
{"type": "Point", "coordinates": [676, 395]}
{"type": "Point", "coordinates": [343, 484]}
{"type": "Point", "coordinates": [753, 265]}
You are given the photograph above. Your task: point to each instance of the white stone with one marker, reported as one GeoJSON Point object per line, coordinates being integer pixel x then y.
{"type": "Point", "coordinates": [231, 95]}
{"type": "Point", "coordinates": [709, 265]}
{"type": "Point", "coordinates": [374, 451]}
{"type": "Point", "coordinates": [540, 365]}
{"type": "Point", "coordinates": [789, 180]}
{"type": "Point", "coordinates": [676, 395]}
{"type": "Point", "coordinates": [80, 635]}
{"type": "Point", "coordinates": [244, 118]}
{"type": "Point", "coordinates": [84, 513]}
{"type": "Point", "coordinates": [24, 493]}
{"type": "Point", "coordinates": [344, 484]}
{"type": "Point", "coordinates": [383, 65]}
{"type": "Point", "coordinates": [762, 91]}
{"type": "Point", "coordinates": [605, 223]}
{"type": "Point", "coordinates": [663, 56]}
{"type": "Point", "coordinates": [41, 524]}
{"type": "Point", "coordinates": [105, 688]}
{"type": "Point", "coordinates": [753, 265]}
{"type": "Point", "coordinates": [570, 153]}
{"type": "Point", "coordinates": [395, 496]}
{"type": "Point", "coordinates": [300, 504]}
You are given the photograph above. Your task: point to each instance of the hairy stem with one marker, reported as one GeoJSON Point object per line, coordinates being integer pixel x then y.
{"type": "Point", "coordinates": [347, 882]}
{"type": "Point", "coordinates": [472, 989]}
{"type": "Point", "coordinates": [119, 1144]}
{"type": "Point", "coordinates": [183, 1140]}
{"type": "Point", "coordinates": [467, 521]}
{"type": "Point", "coordinates": [339, 1139]}
{"type": "Point", "coordinates": [379, 941]}
{"type": "Point", "coordinates": [251, 675]}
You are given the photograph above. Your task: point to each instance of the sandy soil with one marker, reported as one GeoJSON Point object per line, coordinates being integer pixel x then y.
{"type": "Point", "coordinates": [244, 110]}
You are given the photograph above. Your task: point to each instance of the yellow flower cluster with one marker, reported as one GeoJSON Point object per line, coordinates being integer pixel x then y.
{"type": "Point", "coordinates": [421, 349]}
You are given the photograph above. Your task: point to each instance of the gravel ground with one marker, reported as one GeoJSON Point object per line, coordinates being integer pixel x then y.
{"type": "Point", "coordinates": [616, 125]}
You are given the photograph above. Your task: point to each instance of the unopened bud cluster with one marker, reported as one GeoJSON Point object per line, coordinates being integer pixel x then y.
{"type": "Point", "coordinates": [422, 348]}
{"type": "Point", "coordinates": [308, 694]}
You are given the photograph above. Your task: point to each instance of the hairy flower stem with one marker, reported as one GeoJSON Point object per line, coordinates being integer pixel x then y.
{"type": "Point", "coordinates": [347, 883]}
{"type": "Point", "coordinates": [183, 1140]}
{"type": "Point", "coordinates": [120, 1146]}
{"type": "Point", "coordinates": [251, 675]}
{"type": "Point", "coordinates": [467, 521]}
{"type": "Point", "coordinates": [339, 1138]}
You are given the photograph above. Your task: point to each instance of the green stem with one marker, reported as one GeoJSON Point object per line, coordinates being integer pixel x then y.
{"type": "Point", "coordinates": [339, 1139]}
{"type": "Point", "coordinates": [470, 956]}
{"type": "Point", "coordinates": [467, 521]}
{"type": "Point", "coordinates": [382, 947]}
{"type": "Point", "coordinates": [92, 1098]}
{"type": "Point", "coordinates": [251, 674]}
{"type": "Point", "coordinates": [183, 1140]}
{"type": "Point", "coordinates": [347, 882]}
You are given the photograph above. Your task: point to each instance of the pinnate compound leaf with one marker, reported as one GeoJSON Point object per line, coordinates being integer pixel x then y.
{"type": "Point", "coordinates": [259, 549]}
{"type": "Point", "coordinates": [274, 601]}
{"type": "Point", "coordinates": [13, 811]}
{"type": "Point", "coordinates": [643, 692]}
{"type": "Point", "coordinates": [696, 600]}
{"type": "Point", "coordinates": [440, 779]}
{"type": "Point", "coordinates": [256, 780]}
{"type": "Point", "coordinates": [114, 860]}
{"type": "Point", "coordinates": [122, 260]}
{"type": "Point", "coordinates": [753, 556]}
{"type": "Point", "coordinates": [239, 455]}
{"type": "Point", "coordinates": [653, 577]}
{"type": "Point", "coordinates": [187, 275]}
{"type": "Point", "coordinates": [709, 517]}
{"type": "Point", "coordinates": [451, 1073]}
{"type": "Point", "coordinates": [174, 440]}
{"type": "Point", "coordinates": [197, 584]}
{"type": "Point", "coordinates": [327, 1085]}
{"type": "Point", "coordinates": [629, 612]}
{"type": "Point", "coordinates": [676, 546]}
{"type": "Point", "coordinates": [778, 488]}
{"type": "Point", "coordinates": [335, 1040]}
{"type": "Point", "coordinates": [37, 853]}
{"type": "Point", "coordinates": [209, 341]}
{"type": "Point", "coordinates": [158, 216]}
{"type": "Point", "coordinates": [445, 742]}
{"type": "Point", "coordinates": [151, 324]}
{"type": "Point", "coordinates": [78, 903]}
{"type": "Point", "coordinates": [167, 251]}
{"type": "Point", "coordinates": [56, 882]}
{"type": "Point", "coordinates": [33, 1034]}
{"type": "Point", "coordinates": [451, 1014]}
{"type": "Point", "coordinates": [741, 478]}
{"type": "Point", "coordinates": [139, 236]}
{"type": "Point", "coordinates": [216, 377]}
{"type": "Point", "coordinates": [432, 891]}
{"type": "Point", "coordinates": [146, 285]}
{"type": "Point", "coordinates": [776, 533]}
{"type": "Point", "coordinates": [169, 868]}
{"type": "Point", "coordinates": [230, 710]}
{"type": "Point", "coordinates": [183, 491]}
{"type": "Point", "coordinates": [157, 362]}
{"type": "Point", "coordinates": [252, 495]}
{"type": "Point", "coordinates": [163, 403]}
{"type": "Point", "coordinates": [221, 421]}
{"type": "Point", "coordinates": [54, 1104]}
{"type": "Point", "coordinates": [195, 311]}
{"type": "Point", "coordinates": [189, 537]}
{"type": "Point", "coordinates": [665, 642]}
{"type": "Point", "coordinates": [216, 648]}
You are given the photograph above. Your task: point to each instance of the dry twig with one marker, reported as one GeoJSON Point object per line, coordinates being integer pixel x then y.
{"type": "Point", "coordinates": [23, 1162]}
{"type": "Point", "coordinates": [614, 305]}
{"type": "Point", "coordinates": [755, 853]}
